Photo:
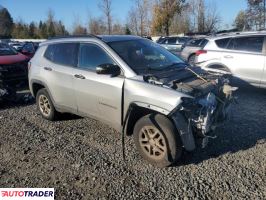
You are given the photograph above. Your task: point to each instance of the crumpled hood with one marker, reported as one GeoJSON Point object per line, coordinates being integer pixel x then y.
{"type": "Point", "coordinates": [186, 79]}
{"type": "Point", "coordinates": [177, 74]}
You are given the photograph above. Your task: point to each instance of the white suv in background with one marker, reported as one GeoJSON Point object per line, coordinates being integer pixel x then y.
{"type": "Point", "coordinates": [241, 54]}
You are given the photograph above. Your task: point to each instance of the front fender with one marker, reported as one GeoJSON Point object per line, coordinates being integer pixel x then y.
{"type": "Point", "coordinates": [158, 98]}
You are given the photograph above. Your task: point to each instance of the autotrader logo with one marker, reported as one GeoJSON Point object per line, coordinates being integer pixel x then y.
{"type": "Point", "coordinates": [27, 193]}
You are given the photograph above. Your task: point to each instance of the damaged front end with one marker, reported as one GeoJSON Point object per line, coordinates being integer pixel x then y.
{"type": "Point", "coordinates": [207, 107]}
{"type": "Point", "coordinates": [13, 77]}
{"type": "Point", "coordinates": [210, 106]}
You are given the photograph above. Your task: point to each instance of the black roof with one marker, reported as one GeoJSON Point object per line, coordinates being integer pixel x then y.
{"type": "Point", "coordinates": [105, 38]}
{"type": "Point", "coordinates": [115, 38]}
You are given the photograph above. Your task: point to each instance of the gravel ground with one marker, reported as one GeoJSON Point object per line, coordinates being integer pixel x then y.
{"type": "Point", "coordinates": [82, 158]}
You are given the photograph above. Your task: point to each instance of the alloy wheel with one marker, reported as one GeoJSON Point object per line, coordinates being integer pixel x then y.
{"type": "Point", "coordinates": [152, 141]}
{"type": "Point", "coordinates": [44, 105]}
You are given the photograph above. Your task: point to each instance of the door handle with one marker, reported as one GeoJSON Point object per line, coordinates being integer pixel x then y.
{"type": "Point", "coordinates": [48, 68]}
{"type": "Point", "coordinates": [228, 56]}
{"type": "Point", "coordinates": [80, 76]}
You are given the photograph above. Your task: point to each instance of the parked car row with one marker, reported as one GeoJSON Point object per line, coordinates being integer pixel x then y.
{"type": "Point", "coordinates": [174, 44]}
{"type": "Point", "coordinates": [241, 55]}
{"type": "Point", "coordinates": [14, 60]}
{"type": "Point", "coordinates": [27, 48]}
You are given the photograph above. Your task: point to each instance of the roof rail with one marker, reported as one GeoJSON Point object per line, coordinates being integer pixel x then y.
{"type": "Point", "coordinates": [74, 36]}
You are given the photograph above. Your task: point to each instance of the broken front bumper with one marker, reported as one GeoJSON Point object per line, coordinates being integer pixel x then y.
{"type": "Point", "coordinates": [201, 116]}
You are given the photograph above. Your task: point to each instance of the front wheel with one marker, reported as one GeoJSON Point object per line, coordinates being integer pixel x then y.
{"type": "Point", "coordinates": [157, 140]}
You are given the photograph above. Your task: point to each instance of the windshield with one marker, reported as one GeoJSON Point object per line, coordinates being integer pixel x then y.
{"type": "Point", "coordinates": [6, 50]}
{"type": "Point", "coordinates": [143, 55]}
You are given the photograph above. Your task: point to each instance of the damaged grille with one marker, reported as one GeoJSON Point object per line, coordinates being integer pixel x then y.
{"type": "Point", "coordinates": [13, 74]}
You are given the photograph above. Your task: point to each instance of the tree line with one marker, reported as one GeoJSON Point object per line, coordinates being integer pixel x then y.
{"type": "Point", "coordinates": [146, 17]}
{"type": "Point", "coordinates": [253, 18]}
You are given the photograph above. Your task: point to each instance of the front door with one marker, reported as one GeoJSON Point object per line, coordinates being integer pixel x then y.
{"type": "Point", "coordinates": [98, 96]}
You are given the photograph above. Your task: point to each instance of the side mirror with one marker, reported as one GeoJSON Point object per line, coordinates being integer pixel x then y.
{"type": "Point", "coordinates": [111, 69]}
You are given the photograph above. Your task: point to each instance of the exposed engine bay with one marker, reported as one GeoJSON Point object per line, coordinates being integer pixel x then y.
{"type": "Point", "coordinates": [211, 92]}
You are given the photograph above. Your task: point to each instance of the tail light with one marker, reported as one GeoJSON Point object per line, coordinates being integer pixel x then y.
{"type": "Point", "coordinates": [200, 52]}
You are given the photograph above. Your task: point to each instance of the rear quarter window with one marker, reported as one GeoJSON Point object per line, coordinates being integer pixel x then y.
{"type": "Point", "coordinates": [249, 44]}
{"type": "Point", "coordinates": [222, 43]}
{"type": "Point", "coordinates": [62, 53]}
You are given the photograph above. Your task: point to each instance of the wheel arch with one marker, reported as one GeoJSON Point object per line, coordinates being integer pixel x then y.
{"type": "Point", "coordinates": [36, 85]}
{"type": "Point", "coordinates": [137, 111]}
{"type": "Point", "coordinates": [218, 66]}
{"type": "Point", "coordinates": [192, 54]}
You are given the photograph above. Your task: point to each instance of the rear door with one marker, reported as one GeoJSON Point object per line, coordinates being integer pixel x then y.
{"type": "Point", "coordinates": [61, 58]}
{"type": "Point", "coordinates": [98, 96]}
{"type": "Point", "coordinates": [245, 58]}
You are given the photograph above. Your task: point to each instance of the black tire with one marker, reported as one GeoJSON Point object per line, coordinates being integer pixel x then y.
{"type": "Point", "coordinates": [191, 59]}
{"type": "Point", "coordinates": [52, 114]}
{"type": "Point", "coordinates": [168, 142]}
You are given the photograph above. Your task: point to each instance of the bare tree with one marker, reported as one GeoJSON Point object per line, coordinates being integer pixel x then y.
{"type": "Point", "coordinates": [204, 18]}
{"type": "Point", "coordinates": [97, 26]}
{"type": "Point", "coordinates": [139, 17]}
{"type": "Point", "coordinates": [163, 14]}
{"type": "Point", "coordinates": [118, 28]}
{"type": "Point", "coordinates": [78, 28]}
{"type": "Point", "coordinates": [133, 21]}
{"type": "Point", "coordinates": [106, 7]}
{"type": "Point", "coordinates": [181, 22]}
{"type": "Point", "coordinates": [241, 22]}
{"type": "Point", "coordinates": [212, 18]}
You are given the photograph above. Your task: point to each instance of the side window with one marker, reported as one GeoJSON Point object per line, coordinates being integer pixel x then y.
{"type": "Point", "coordinates": [171, 40]}
{"type": "Point", "coordinates": [222, 43]}
{"type": "Point", "coordinates": [91, 56]}
{"type": "Point", "coordinates": [251, 44]}
{"type": "Point", "coordinates": [62, 53]}
{"type": "Point", "coordinates": [194, 43]}
{"type": "Point", "coordinates": [203, 43]}
{"type": "Point", "coordinates": [181, 40]}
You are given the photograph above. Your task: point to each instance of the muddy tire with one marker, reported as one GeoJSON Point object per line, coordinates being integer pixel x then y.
{"type": "Point", "coordinates": [45, 105]}
{"type": "Point", "coordinates": [157, 140]}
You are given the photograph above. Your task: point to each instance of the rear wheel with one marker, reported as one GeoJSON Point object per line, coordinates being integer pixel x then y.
{"type": "Point", "coordinates": [157, 140]}
{"type": "Point", "coordinates": [45, 105]}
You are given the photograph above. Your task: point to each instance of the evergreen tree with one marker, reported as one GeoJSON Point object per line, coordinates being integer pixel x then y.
{"type": "Point", "coordinates": [6, 23]}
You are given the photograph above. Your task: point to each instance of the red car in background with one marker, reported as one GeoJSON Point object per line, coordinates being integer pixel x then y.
{"type": "Point", "coordinates": [13, 70]}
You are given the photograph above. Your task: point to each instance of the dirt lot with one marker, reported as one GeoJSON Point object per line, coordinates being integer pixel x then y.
{"type": "Point", "coordinates": [82, 158]}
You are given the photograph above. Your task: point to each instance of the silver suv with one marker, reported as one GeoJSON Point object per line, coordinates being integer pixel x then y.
{"type": "Point", "coordinates": [134, 85]}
